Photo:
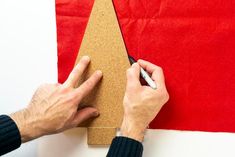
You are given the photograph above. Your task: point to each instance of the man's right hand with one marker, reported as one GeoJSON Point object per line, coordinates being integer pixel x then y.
{"type": "Point", "coordinates": [142, 103]}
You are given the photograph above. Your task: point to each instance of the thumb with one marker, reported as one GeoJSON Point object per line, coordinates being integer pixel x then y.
{"type": "Point", "coordinates": [133, 76]}
{"type": "Point", "coordinates": [85, 114]}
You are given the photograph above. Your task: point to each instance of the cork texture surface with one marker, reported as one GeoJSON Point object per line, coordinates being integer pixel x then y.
{"type": "Point", "coordinates": [104, 44]}
{"type": "Point", "coordinates": [100, 136]}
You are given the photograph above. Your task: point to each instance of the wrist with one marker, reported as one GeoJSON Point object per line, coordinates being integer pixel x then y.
{"type": "Point", "coordinates": [26, 124]}
{"type": "Point", "coordinates": [132, 131]}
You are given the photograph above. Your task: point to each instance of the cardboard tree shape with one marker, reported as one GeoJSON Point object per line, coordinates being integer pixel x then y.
{"type": "Point", "coordinates": [104, 44]}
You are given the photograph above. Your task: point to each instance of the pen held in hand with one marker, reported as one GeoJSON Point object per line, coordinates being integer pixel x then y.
{"type": "Point", "coordinates": [144, 74]}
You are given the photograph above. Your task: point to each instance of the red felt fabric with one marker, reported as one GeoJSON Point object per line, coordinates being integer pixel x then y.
{"type": "Point", "coordinates": [192, 40]}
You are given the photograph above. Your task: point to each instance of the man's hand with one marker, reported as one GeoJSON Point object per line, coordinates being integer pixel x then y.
{"type": "Point", "coordinates": [54, 107]}
{"type": "Point", "coordinates": [142, 103]}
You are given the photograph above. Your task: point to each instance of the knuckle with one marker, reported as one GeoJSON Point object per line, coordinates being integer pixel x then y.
{"type": "Point", "coordinates": [129, 72]}
{"type": "Point", "coordinates": [45, 88]}
{"type": "Point", "coordinates": [64, 89]}
{"type": "Point", "coordinates": [57, 84]}
{"type": "Point", "coordinates": [159, 69]}
{"type": "Point", "coordinates": [133, 108]}
{"type": "Point", "coordinates": [130, 87]}
{"type": "Point", "coordinates": [68, 98]}
{"type": "Point", "coordinates": [89, 83]}
{"type": "Point", "coordinates": [78, 96]}
{"type": "Point", "coordinates": [167, 96]}
{"type": "Point", "coordinates": [164, 95]}
{"type": "Point", "coordinates": [76, 70]}
{"type": "Point", "coordinates": [71, 97]}
{"type": "Point", "coordinates": [43, 85]}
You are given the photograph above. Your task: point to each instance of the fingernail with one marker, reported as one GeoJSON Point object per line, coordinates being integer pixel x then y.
{"type": "Point", "coordinates": [99, 72]}
{"type": "Point", "coordinates": [135, 65]}
{"type": "Point", "coordinates": [96, 113]}
{"type": "Point", "coordinates": [86, 58]}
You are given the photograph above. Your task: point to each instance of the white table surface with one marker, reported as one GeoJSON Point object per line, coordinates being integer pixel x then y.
{"type": "Point", "coordinates": [28, 58]}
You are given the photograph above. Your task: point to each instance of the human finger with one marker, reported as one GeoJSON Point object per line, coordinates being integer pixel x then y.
{"type": "Point", "coordinates": [84, 89]}
{"type": "Point", "coordinates": [77, 72]}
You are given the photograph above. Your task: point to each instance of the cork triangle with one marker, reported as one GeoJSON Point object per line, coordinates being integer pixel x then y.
{"type": "Point", "coordinates": [104, 44]}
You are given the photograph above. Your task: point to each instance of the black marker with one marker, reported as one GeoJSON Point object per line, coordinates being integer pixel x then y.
{"type": "Point", "coordinates": [144, 74]}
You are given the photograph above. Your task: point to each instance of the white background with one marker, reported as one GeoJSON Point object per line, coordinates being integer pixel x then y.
{"type": "Point", "coordinates": [28, 58]}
